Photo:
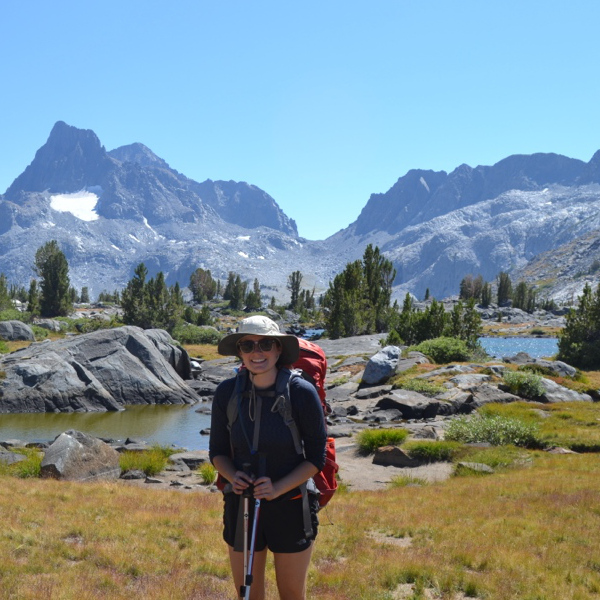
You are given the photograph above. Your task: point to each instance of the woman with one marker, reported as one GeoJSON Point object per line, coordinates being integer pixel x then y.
{"type": "Point", "coordinates": [256, 453]}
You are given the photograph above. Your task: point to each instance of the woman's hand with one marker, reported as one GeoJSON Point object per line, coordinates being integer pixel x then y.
{"type": "Point", "coordinates": [241, 482]}
{"type": "Point", "coordinates": [264, 489]}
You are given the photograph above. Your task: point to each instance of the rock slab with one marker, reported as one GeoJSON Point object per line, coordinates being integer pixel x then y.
{"type": "Point", "coordinates": [76, 456]}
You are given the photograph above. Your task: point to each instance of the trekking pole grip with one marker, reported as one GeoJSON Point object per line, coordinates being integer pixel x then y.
{"type": "Point", "coordinates": [249, 491]}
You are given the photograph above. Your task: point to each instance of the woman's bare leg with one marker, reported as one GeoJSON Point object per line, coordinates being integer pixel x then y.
{"type": "Point", "coordinates": [291, 571]}
{"type": "Point", "coordinates": [257, 589]}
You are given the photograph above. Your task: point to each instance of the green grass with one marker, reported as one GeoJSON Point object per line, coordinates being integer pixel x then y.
{"type": "Point", "coordinates": [399, 481]}
{"type": "Point", "coordinates": [370, 440]}
{"type": "Point", "coordinates": [573, 425]}
{"type": "Point", "coordinates": [151, 462]}
{"type": "Point", "coordinates": [30, 467]}
{"type": "Point", "coordinates": [208, 473]}
{"type": "Point", "coordinates": [432, 451]}
{"type": "Point", "coordinates": [497, 457]}
{"type": "Point", "coordinates": [422, 386]}
{"type": "Point", "coordinates": [497, 430]}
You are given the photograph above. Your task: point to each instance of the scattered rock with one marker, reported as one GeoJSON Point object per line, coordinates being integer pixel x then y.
{"type": "Point", "coordinates": [411, 404]}
{"type": "Point", "coordinates": [76, 456]}
{"type": "Point", "coordinates": [381, 366]}
{"type": "Point", "coordinates": [9, 458]}
{"type": "Point", "coordinates": [475, 467]}
{"type": "Point", "coordinates": [16, 331]}
{"type": "Point", "coordinates": [394, 456]}
{"type": "Point", "coordinates": [558, 393]}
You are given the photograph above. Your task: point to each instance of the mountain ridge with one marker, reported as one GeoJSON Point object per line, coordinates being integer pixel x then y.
{"type": "Point", "coordinates": [435, 226]}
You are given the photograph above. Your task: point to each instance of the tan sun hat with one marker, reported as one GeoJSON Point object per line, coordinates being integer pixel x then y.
{"type": "Point", "coordinates": [260, 325]}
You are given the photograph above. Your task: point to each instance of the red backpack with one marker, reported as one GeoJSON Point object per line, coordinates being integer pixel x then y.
{"type": "Point", "coordinates": [312, 366]}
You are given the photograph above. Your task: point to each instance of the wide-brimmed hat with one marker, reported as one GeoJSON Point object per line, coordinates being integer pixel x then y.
{"type": "Point", "coordinates": [260, 325]}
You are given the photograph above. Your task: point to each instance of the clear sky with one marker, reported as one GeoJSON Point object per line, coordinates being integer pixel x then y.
{"type": "Point", "coordinates": [319, 103]}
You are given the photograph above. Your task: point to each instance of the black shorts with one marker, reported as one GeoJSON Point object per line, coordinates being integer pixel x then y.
{"type": "Point", "coordinates": [280, 523]}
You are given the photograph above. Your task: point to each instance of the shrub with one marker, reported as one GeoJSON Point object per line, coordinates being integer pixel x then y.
{"type": "Point", "coordinates": [538, 370]}
{"type": "Point", "coordinates": [192, 334]}
{"type": "Point", "coordinates": [12, 314]}
{"type": "Point", "coordinates": [444, 350]}
{"type": "Point", "coordinates": [422, 386]}
{"type": "Point", "coordinates": [40, 333]}
{"type": "Point", "coordinates": [208, 473]}
{"type": "Point", "coordinates": [151, 461]}
{"type": "Point", "coordinates": [30, 467]}
{"type": "Point", "coordinates": [370, 440]}
{"type": "Point", "coordinates": [4, 349]}
{"type": "Point", "coordinates": [427, 451]}
{"type": "Point", "coordinates": [524, 384]}
{"type": "Point", "coordinates": [497, 430]}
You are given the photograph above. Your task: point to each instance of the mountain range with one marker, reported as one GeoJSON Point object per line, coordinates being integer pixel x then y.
{"type": "Point", "coordinates": [111, 210]}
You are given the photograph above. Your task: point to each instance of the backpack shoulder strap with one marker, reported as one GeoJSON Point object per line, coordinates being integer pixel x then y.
{"type": "Point", "coordinates": [283, 404]}
{"type": "Point", "coordinates": [234, 400]}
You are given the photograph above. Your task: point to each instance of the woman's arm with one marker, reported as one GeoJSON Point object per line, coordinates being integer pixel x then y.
{"type": "Point", "coordinates": [265, 489]}
{"type": "Point", "coordinates": [238, 479]}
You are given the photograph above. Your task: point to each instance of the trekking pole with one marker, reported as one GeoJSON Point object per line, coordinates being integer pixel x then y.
{"type": "Point", "coordinates": [246, 497]}
{"type": "Point", "coordinates": [248, 580]}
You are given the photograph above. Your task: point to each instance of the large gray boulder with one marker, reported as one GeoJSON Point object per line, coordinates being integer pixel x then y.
{"type": "Point", "coordinates": [559, 367]}
{"type": "Point", "coordinates": [99, 371]}
{"type": "Point", "coordinates": [412, 405]}
{"type": "Point", "coordinates": [76, 456]}
{"type": "Point", "coordinates": [16, 331]}
{"type": "Point", "coordinates": [558, 393]}
{"type": "Point", "coordinates": [382, 366]}
{"type": "Point", "coordinates": [174, 354]}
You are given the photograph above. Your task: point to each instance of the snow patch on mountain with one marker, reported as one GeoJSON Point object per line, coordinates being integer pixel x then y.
{"type": "Point", "coordinates": [81, 204]}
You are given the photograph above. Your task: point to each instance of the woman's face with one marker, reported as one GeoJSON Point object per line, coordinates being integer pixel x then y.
{"type": "Point", "coordinates": [259, 361]}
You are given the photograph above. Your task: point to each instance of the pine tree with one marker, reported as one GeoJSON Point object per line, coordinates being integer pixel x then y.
{"type": "Point", "coordinates": [53, 270]}
{"type": "Point", "coordinates": [134, 301]}
{"type": "Point", "coordinates": [358, 299]}
{"type": "Point", "coordinates": [294, 285]}
{"type": "Point", "coordinates": [504, 288]}
{"type": "Point", "coordinates": [202, 285]}
{"type": "Point", "coordinates": [486, 294]}
{"type": "Point", "coordinates": [253, 299]}
{"type": "Point", "coordinates": [33, 299]}
{"type": "Point", "coordinates": [5, 301]}
{"type": "Point", "coordinates": [579, 342]}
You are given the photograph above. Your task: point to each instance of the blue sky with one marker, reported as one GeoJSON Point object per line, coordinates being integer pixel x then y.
{"type": "Point", "coordinates": [318, 103]}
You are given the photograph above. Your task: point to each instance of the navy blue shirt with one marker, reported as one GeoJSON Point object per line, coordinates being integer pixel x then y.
{"type": "Point", "coordinates": [275, 441]}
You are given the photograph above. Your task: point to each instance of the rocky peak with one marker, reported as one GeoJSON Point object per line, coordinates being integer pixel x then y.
{"type": "Point", "coordinates": [246, 205]}
{"type": "Point", "coordinates": [591, 171]}
{"type": "Point", "coordinates": [69, 161]}
{"type": "Point", "coordinates": [423, 195]}
{"type": "Point", "coordinates": [138, 154]}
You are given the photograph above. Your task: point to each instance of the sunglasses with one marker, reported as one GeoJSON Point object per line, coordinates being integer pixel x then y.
{"type": "Point", "coordinates": [264, 345]}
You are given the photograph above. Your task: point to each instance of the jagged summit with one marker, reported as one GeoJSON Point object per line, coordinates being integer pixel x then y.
{"type": "Point", "coordinates": [69, 161]}
{"type": "Point", "coordinates": [422, 195]}
{"type": "Point", "coordinates": [139, 154]}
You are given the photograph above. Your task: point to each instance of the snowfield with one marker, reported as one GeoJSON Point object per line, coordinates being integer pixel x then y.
{"type": "Point", "coordinates": [80, 204]}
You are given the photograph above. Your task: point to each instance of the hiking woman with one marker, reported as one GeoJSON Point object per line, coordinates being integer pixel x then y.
{"type": "Point", "coordinates": [254, 451]}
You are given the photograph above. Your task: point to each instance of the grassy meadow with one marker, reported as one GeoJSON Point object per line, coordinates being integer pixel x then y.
{"type": "Point", "coordinates": [526, 533]}
{"type": "Point", "coordinates": [529, 531]}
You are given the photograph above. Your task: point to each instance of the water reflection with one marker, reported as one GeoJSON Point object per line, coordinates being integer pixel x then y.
{"type": "Point", "coordinates": [166, 425]}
